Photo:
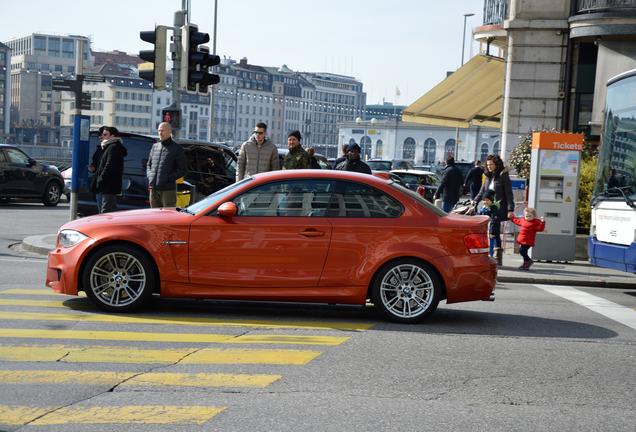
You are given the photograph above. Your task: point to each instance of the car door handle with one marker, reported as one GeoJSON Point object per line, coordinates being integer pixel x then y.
{"type": "Point", "coordinates": [312, 233]}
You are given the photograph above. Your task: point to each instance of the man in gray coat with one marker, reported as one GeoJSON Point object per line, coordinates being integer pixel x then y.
{"type": "Point", "coordinates": [166, 164]}
{"type": "Point", "coordinates": [257, 155]}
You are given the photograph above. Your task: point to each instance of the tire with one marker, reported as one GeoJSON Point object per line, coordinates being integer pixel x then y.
{"type": "Point", "coordinates": [52, 194]}
{"type": "Point", "coordinates": [406, 291]}
{"type": "Point", "coordinates": [119, 278]}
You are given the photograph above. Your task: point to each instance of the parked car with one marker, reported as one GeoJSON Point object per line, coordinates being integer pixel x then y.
{"type": "Point", "coordinates": [312, 236]}
{"type": "Point", "coordinates": [322, 161]}
{"type": "Point", "coordinates": [22, 177]}
{"type": "Point", "coordinates": [389, 164]}
{"type": "Point", "coordinates": [390, 176]}
{"type": "Point", "coordinates": [424, 183]}
{"type": "Point", "coordinates": [197, 183]}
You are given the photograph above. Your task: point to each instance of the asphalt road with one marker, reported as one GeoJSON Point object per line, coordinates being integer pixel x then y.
{"type": "Point", "coordinates": [539, 358]}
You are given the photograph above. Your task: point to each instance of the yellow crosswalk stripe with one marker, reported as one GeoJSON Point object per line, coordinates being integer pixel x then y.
{"type": "Point", "coordinates": [189, 321]}
{"type": "Point", "coordinates": [99, 354]}
{"type": "Point", "coordinates": [40, 291]}
{"type": "Point", "coordinates": [82, 303]}
{"type": "Point", "coordinates": [170, 337]}
{"type": "Point", "coordinates": [134, 378]}
{"type": "Point", "coordinates": [18, 415]}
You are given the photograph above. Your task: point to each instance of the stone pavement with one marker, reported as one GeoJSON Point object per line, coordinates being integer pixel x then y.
{"type": "Point", "coordinates": [575, 273]}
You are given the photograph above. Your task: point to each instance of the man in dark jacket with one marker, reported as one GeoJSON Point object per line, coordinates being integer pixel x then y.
{"type": "Point", "coordinates": [166, 164]}
{"type": "Point", "coordinates": [450, 185]}
{"type": "Point", "coordinates": [474, 178]}
{"type": "Point", "coordinates": [296, 157]}
{"type": "Point", "coordinates": [352, 162]}
{"type": "Point", "coordinates": [110, 168]}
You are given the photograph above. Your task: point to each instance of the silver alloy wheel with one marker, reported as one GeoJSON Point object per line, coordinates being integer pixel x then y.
{"type": "Point", "coordinates": [117, 279]}
{"type": "Point", "coordinates": [54, 194]}
{"type": "Point", "coordinates": [407, 291]}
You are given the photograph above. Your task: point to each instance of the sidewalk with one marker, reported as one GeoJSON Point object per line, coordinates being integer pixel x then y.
{"type": "Point", "coordinates": [576, 273]}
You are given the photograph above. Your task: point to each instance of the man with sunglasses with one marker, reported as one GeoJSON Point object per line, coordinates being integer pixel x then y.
{"type": "Point", "coordinates": [257, 155]}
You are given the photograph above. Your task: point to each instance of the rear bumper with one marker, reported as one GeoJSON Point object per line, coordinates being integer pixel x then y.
{"type": "Point", "coordinates": [468, 277]}
{"type": "Point", "coordinates": [617, 257]}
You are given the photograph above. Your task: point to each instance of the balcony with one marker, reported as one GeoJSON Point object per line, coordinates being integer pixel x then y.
{"type": "Point", "coordinates": [490, 32]}
{"type": "Point", "coordinates": [495, 11]}
{"type": "Point", "coordinates": [594, 6]}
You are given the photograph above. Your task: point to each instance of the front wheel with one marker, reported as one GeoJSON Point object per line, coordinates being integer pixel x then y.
{"type": "Point", "coordinates": [406, 291]}
{"type": "Point", "coordinates": [119, 278]}
{"type": "Point", "coordinates": [52, 194]}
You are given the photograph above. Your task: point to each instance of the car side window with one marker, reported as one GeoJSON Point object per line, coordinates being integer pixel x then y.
{"type": "Point", "coordinates": [356, 200]}
{"type": "Point", "coordinates": [302, 198]}
{"type": "Point", "coordinates": [17, 157]}
{"type": "Point", "coordinates": [2, 157]}
{"type": "Point", "coordinates": [230, 164]}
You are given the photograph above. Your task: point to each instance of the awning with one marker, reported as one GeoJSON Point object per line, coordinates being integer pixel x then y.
{"type": "Point", "coordinates": [473, 93]}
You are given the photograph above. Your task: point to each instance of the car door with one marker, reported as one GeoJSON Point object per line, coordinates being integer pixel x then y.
{"type": "Point", "coordinates": [23, 174]}
{"type": "Point", "coordinates": [280, 238]}
{"type": "Point", "coordinates": [5, 174]}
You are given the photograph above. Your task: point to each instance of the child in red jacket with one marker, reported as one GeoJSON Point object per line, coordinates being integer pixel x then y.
{"type": "Point", "coordinates": [530, 225]}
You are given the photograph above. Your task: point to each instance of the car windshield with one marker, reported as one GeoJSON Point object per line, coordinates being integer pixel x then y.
{"type": "Point", "coordinates": [379, 165]}
{"type": "Point", "coordinates": [199, 206]}
{"type": "Point", "coordinates": [420, 199]}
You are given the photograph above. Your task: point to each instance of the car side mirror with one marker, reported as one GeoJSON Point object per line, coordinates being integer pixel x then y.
{"type": "Point", "coordinates": [32, 161]}
{"type": "Point", "coordinates": [227, 209]}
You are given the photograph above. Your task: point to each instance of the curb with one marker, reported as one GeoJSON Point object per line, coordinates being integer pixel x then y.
{"type": "Point", "coordinates": [42, 244]}
{"type": "Point", "coordinates": [569, 282]}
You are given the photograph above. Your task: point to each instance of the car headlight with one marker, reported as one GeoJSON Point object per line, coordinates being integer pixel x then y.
{"type": "Point", "coordinates": [70, 238]}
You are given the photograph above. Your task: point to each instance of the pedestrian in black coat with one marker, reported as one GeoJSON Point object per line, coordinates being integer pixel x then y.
{"type": "Point", "coordinates": [108, 176]}
{"type": "Point", "coordinates": [474, 178]}
{"type": "Point", "coordinates": [449, 189]}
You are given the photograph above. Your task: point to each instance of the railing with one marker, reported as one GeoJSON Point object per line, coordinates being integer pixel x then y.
{"type": "Point", "coordinates": [495, 11]}
{"type": "Point", "coordinates": [61, 157]}
{"type": "Point", "coordinates": [602, 5]}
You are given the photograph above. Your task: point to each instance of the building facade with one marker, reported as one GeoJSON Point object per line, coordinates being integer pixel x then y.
{"type": "Point", "coordinates": [559, 56]}
{"type": "Point", "coordinates": [36, 109]}
{"type": "Point", "coordinates": [5, 92]}
{"type": "Point", "coordinates": [392, 138]}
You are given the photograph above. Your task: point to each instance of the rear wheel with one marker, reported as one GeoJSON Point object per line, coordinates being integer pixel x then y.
{"type": "Point", "coordinates": [119, 278]}
{"type": "Point", "coordinates": [52, 194]}
{"type": "Point", "coordinates": [406, 291]}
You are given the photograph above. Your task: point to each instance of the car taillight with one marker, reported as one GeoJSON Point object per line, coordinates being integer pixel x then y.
{"type": "Point", "coordinates": [421, 190]}
{"type": "Point", "coordinates": [477, 243]}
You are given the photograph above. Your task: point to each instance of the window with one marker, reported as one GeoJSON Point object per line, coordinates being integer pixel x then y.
{"type": "Point", "coordinates": [495, 148]}
{"type": "Point", "coordinates": [356, 200]}
{"type": "Point", "coordinates": [301, 198]}
{"type": "Point", "coordinates": [484, 153]}
{"type": "Point", "coordinates": [429, 151]}
{"type": "Point", "coordinates": [54, 47]}
{"type": "Point", "coordinates": [379, 150]}
{"type": "Point", "coordinates": [68, 48]}
{"type": "Point", "coordinates": [17, 157]}
{"type": "Point", "coordinates": [449, 148]}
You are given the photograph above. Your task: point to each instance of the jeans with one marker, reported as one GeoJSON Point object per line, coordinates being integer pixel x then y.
{"type": "Point", "coordinates": [98, 198]}
{"type": "Point", "coordinates": [523, 251]}
{"type": "Point", "coordinates": [448, 206]}
{"type": "Point", "coordinates": [495, 243]}
{"type": "Point", "coordinates": [109, 203]}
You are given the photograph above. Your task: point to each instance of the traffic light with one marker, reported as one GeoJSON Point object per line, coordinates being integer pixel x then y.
{"type": "Point", "coordinates": [172, 115]}
{"type": "Point", "coordinates": [157, 74]}
{"type": "Point", "coordinates": [196, 60]}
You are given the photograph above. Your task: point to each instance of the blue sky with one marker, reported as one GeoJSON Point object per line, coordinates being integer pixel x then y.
{"type": "Point", "coordinates": [406, 44]}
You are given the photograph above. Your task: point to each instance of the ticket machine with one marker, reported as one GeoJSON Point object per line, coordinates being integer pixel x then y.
{"type": "Point", "coordinates": [554, 190]}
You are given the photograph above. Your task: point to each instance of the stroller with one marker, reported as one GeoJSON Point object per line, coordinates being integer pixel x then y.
{"type": "Point", "coordinates": [464, 208]}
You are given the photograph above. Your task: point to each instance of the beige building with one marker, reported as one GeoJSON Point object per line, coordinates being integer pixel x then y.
{"type": "Point", "coordinates": [36, 60]}
{"type": "Point", "coordinates": [557, 56]}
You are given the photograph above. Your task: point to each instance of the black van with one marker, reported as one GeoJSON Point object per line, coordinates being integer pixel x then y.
{"type": "Point", "coordinates": [198, 182]}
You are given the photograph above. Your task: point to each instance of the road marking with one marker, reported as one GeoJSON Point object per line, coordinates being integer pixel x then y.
{"type": "Point", "coordinates": [611, 310]}
{"type": "Point", "coordinates": [189, 321]}
{"type": "Point", "coordinates": [39, 291]}
{"type": "Point", "coordinates": [171, 337]}
{"type": "Point", "coordinates": [19, 415]}
{"type": "Point", "coordinates": [134, 378]}
{"type": "Point", "coordinates": [104, 354]}
{"type": "Point", "coordinates": [77, 303]}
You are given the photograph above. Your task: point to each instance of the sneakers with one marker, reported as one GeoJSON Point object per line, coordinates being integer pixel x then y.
{"type": "Point", "coordinates": [526, 265]}
{"type": "Point", "coordinates": [530, 262]}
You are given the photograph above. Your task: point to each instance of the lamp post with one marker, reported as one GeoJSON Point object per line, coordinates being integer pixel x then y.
{"type": "Point", "coordinates": [464, 38]}
{"type": "Point", "coordinates": [373, 121]}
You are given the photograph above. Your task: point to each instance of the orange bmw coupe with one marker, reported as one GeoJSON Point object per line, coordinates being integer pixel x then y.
{"type": "Point", "coordinates": [316, 236]}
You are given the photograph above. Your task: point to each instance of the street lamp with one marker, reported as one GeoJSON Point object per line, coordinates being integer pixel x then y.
{"type": "Point", "coordinates": [373, 122]}
{"type": "Point", "coordinates": [464, 39]}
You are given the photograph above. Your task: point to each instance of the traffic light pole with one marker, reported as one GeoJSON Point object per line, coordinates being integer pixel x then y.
{"type": "Point", "coordinates": [179, 22]}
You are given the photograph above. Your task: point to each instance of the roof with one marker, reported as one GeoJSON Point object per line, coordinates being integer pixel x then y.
{"type": "Point", "coordinates": [472, 94]}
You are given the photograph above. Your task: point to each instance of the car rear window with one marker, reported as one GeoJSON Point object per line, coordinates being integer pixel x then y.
{"type": "Point", "coordinates": [356, 200]}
